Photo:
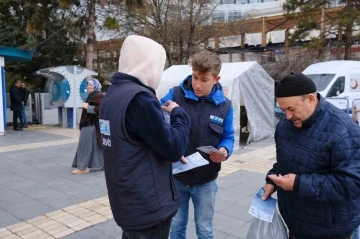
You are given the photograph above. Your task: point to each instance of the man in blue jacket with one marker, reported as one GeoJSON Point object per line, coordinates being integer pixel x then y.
{"type": "Point", "coordinates": [317, 173]}
{"type": "Point", "coordinates": [138, 145]}
{"type": "Point", "coordinates": [211, 116]}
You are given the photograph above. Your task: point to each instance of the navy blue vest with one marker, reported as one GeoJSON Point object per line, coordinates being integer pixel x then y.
{"type": "Point", "coordinates": [203, 132]}
{"type": "Point", "coordinates": [141, 190]}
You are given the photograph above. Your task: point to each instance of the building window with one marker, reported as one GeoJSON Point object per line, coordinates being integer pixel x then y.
{"type": "Point", "coordinates": [335, 3]}
{"type": "Point", "coordinates": [218, 17]}
{"type": "Point", "coordinates": [234, 16]}
{"type": "Point", "coordinates": [228, 1]}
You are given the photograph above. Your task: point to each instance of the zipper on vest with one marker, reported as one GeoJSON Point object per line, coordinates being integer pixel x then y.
{"type": "Point", "coordinates": [196, 136]}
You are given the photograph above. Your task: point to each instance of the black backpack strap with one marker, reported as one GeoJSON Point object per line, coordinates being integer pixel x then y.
{"type": "Point", "coordinates": [178, 94]}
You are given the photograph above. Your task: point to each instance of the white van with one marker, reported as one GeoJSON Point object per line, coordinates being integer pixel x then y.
{"type": "Point", "coordinates": [337, 79]}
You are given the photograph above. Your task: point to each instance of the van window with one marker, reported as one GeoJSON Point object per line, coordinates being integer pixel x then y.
{"type": "Point", "coordinates": [337, 88]}
{"type": "Point", "coordinates": [321, 80]}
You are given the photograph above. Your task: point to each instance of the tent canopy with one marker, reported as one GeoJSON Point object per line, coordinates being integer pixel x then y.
{"type": "Point", "coordinates": [246, 84]}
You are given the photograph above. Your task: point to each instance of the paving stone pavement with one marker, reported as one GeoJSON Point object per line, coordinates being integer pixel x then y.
{"type": "Point", "coordinates": [40, 198]}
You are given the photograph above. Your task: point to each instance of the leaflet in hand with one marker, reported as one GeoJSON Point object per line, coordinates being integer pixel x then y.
{"type": "Point", "coordinates": [264, 210]}
{"type": "Point", "coordinates": [208, 149]}
{"type": "Point", "coordinates": [195, 160]}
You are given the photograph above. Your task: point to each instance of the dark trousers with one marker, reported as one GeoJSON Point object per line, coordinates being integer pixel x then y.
{"type": "Point", "coordinates": [343, 237]}
{"type": "Point", "coordinates": [16, 116]}
{"type": "Point", "coordinates": [160, 231]}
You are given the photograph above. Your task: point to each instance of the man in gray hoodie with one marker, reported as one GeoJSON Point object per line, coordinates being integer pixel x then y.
{"type": "Point", "coordinates": [138, 145]}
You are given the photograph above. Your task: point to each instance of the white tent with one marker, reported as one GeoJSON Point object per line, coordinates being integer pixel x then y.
{"type": "Point", "coordinates": [246, 84]}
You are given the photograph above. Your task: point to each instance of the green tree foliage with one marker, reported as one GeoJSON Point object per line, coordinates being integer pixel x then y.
{"type": "Point", "coordinates": [40, 26]}
{"type": "Point", "coordinates": [312, 15]}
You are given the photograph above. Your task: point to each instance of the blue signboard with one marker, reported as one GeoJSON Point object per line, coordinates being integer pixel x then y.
{"type": "Point", "coordinates": [64, 90]}
{"type": "Point", "coordinates": [83, 90]}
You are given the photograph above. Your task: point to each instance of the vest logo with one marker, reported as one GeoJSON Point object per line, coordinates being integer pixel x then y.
{"type": "Point", "coordinates": [216, 120]}
{"type": "Point", "coordinates": [104, 127]}
{"type": "Point", "coordinates": [105, 132]}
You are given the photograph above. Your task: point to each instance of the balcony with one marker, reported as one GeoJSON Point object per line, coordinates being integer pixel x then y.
{"type": "Point", "coordinates": [232, 10]}
{"type": "Point", "coordinates": [333, 3]}
{"type": "Point", "coordinates": [241, 1]}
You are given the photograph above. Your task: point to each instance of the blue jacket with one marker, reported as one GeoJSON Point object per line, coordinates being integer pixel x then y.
{"type": "Point", "coordinates": [325, 156]}
{"type": "Point", "coordinates": [139, 148]}
{"type": "Point", "coordinates": [205, 130]}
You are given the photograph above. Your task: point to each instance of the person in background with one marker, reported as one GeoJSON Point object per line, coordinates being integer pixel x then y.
{"type": "Point", "coordinates": [355, 114]}
{"type": "Point", "coordinates": [17, 102]}
{"type": "Point", "coordinates": [25, 96]}
{"type": "Point", "coordinates": [106, 85]}
{"type": "Point", "coordinates": [89, 151]}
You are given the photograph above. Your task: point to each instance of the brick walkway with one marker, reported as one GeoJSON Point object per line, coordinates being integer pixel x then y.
{"type": "Point", "coordinates": [74, 218]}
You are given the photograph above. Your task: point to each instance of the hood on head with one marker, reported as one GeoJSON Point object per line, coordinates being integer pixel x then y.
{"type": "Point", "coordinates": [142, 58]}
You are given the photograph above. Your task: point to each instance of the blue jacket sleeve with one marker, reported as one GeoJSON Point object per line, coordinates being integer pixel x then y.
{"type": "Point", "coordinates": [227, 138]}
{"type": "Point", "coordinates": [168, 96]}
{"type": "Point", "coordinates": [145, 119]}
{"type": "Point", "coordinates": [342, 183]}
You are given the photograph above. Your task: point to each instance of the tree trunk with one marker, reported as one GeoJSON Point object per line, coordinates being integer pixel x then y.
{"type": "Point", "coordinates": [321, 51]}
{"type": "Point", "coordinates": [168, 56]}
{"type": "Point", "coordinates": [339, 42]}
{"type": "Point", "coordinates": [181, 37]}
{"type": "Point", "coordinates": [181, 49]}
{"type": "Point", "coordinates": [348, 33]}
{"type": "Point", "coordinates": [91, 36]}
{"type": "Point", "coordinates": [191, 30]}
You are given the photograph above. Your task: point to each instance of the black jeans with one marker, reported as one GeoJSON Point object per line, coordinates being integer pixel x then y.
{"type": "Point", "coordinates": [343, 237]}
{"type": "Point", "coordinates": [16, 116]}
{"type": "Point", "coordinates": [160, 231]}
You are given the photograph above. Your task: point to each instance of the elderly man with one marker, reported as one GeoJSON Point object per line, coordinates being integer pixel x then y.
{"type": "Point", "coordinates": [317, 173]}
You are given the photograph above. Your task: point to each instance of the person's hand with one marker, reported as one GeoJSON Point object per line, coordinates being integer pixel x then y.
{"type": "Point", "coordinates": [22, 103]}
{"type": "Point", "coordinates": [286, 182]}
{"type": "Point", "coordinates": [85, 105]}
{"type": "Point", "coordinates": [269, 190]}
{"type": "Point", "coordinates": [184, 160]}
{"type": "Point", "coordinates": [169, 106]}
{"type": "Point", "coordinates": [218, 158]}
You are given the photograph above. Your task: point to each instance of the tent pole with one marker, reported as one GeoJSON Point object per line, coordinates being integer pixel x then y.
{"type": "Point", "coordinates": [74, 92]}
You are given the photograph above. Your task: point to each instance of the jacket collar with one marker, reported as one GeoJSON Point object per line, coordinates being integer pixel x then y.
{"type": "Point", "coordinates": [216, 95]}
{"type": "Point", "coordinates": [121, 78]}
{"type": "Point", "coordinates": [317, 113]}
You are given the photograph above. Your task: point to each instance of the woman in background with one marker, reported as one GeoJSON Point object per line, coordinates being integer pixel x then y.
{"type": "Point", "coordinates": [89, 152]}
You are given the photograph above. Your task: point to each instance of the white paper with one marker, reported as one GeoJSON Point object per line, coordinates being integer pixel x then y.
{"type": "Point", "coordinates": [264, 210]}
{"type": "Point", "coordinates": [195, 160]}
{"type": "Point", "coordinates": [208, 149]}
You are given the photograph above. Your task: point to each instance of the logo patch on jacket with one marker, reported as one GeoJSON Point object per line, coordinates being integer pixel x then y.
{"type": "Point", "coordinates": [216, 120]}
{"type": "Point", "coordinates": [105, 132]}
{"type": "Point", "coordinates": [104, 127]}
